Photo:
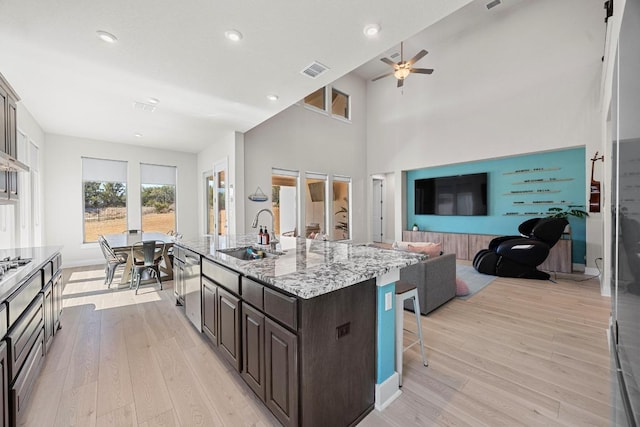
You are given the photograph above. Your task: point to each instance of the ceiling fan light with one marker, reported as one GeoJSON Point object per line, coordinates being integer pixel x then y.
{"type": "Point", "coordinates": [371, 30]}
{"type": "Point", "coordinates": [401, 73]}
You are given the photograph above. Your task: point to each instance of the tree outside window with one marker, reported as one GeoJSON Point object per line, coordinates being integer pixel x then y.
{"type": "Point", "coordinates": [105, 208]}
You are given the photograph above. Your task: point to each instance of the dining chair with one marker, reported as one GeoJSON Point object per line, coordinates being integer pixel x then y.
{"type": "Point", "coordinates": [112, 260]}
{"type": "Point", "coordinates": [146, 256]}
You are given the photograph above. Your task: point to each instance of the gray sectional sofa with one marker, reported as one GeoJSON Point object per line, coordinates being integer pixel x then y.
{"type": "Point", "coordinates": [436, 281]}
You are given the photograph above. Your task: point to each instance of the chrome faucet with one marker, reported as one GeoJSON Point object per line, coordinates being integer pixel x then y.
{"type": "Point", "coordinates": [273, 242]}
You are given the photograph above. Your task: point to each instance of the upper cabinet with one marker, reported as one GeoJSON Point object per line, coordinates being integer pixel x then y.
{"type": "Point", "coordinates": [9, 165]}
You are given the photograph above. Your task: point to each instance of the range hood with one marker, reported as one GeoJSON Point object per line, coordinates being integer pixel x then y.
{"type": "Point", "coordinates": [8, 163]}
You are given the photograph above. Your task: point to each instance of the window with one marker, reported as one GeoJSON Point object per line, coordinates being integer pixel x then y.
{"type": "Point", "coordinates": [341, 208]}
{"type": "Point", "coordinates": [340, 104]}
{"type": "Point", "coordinates": [284, 201]}
{"type": "Point", "coordinates": [316, 99]}
{"type": "Point", "coordinates": [210, 213]}
{"type": "Point", "coordinates": [315, 205]}
{"type": "Point", "coordinates": [104, 185]}
{"type": "Point", "coordinates": [158, 197]}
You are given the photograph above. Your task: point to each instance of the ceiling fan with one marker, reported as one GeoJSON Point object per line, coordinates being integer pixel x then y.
{"type": "Point", "coordinates": [403, 68]}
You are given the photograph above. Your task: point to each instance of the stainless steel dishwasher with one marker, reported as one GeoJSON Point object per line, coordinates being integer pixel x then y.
{"type": "Point", "coordinates": [192, 288]}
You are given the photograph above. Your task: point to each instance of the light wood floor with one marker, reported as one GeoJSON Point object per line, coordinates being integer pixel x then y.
{"type": "Point", "coordinates": [517, 353]}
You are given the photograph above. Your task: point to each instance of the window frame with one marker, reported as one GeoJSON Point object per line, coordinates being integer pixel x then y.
{"type": "Point", "coordinates": [346, 118]}
{"type": "Point", "coordinates": [175, 193]}
{"type": "Point", "coordinates": [82, 189]}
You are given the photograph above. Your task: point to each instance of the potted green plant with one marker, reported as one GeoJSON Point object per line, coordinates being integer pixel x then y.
{"type": "Point", "coordinates": [415, 227]}
{"type": "Point", "coordinates": [571, 210]}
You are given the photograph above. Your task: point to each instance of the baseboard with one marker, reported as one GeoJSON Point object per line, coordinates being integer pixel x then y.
{"type": "Point", "coordinates": [83, 263]}
{"type": "Point", "coordinates": [591, 271]}
{"type": "Point", "coordinates": [387, 392]}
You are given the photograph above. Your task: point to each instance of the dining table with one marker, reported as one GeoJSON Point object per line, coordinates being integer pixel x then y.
{"type": "Point", "coordinates": [123, 243]}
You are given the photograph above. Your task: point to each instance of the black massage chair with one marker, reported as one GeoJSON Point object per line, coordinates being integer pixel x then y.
{"type": "Point", "coordinates": [518, 256]}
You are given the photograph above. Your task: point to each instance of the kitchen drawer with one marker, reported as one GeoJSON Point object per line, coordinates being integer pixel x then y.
{"type": "Point", "coordinates": [23, 334]}
{"type": "Point", "coordinates": [3, 320]}
{"type": "Point", "coordinates": [228, 278]}
{"type": "Point", "coordinates": [281, 307]}
{"type": "Point", "coordinates": [253, 293]}
{"type": "Point", "coordinates": [22, 387]}
{"type": "Point", "coordinates": [47, 272]}
{"type": "Point", "coordinates": [22, 297]}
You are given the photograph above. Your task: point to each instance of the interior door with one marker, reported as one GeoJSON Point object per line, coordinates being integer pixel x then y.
{"type": "Point", "coordinates": [378, 217]}
{"type": "Point", "coordinates": [221, 211]}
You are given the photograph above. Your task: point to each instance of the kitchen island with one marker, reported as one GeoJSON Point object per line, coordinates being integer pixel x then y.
{"type": "Point", "coordinates": [30, 315]}
{"type": "Point", "coordinates": [311, 329]}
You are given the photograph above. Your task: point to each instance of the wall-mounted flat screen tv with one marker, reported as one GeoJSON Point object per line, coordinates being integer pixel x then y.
{"type": "Point", "coordinates": [452, 195]}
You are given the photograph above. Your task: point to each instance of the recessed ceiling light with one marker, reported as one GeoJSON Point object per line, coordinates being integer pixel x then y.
{"type": "Point", "coordinates": [154, 101]}
{"type": "Point", "coordinates": [137, 135]}
{"type": "Point", "coordinates": [371, 30]}
{"type": "Point", "coordinates": [233, 35]}
{"type": "Point", "coordinates": [273, 97]}
{"type": "Point", "coordinates": [106, 37]}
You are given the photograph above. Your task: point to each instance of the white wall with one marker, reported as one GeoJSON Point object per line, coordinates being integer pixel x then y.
{"type": "Point", "coordinates": [231, 149]}
{"type": "Point", "coordinates": [63, 190]}
{"type": "Point", "coordinates": [308, 141]}
{"type": "Point", "coordinates": [517, 80]}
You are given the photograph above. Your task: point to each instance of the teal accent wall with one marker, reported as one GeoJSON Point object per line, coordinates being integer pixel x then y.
{"type": "Point", "coordinates": [570, 163]}
{"type": "Point", "coordinates": [385, 334]}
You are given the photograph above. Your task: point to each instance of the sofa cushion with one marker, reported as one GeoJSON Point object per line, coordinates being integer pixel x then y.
{"type": "Point", "coordinates": [431, 249]}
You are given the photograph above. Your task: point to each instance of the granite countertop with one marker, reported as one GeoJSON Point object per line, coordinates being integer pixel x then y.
{"type": "Point", "coordinates": [39, 256]}
{"type": "Point", "coordinates": [308, 268]}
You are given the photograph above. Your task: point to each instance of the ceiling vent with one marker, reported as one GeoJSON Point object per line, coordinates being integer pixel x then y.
{"type": "Point", "coordinates": [137, 105]}
{"type": "Point", "coordinates": [314, 70]}
{"type": "Point", "coordinates": [493, 4]}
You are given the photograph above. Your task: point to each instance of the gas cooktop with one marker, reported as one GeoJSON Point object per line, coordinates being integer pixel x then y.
{"type": "Point", "coordinates": [8, 265]}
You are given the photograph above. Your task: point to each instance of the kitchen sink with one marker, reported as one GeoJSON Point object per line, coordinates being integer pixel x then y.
{"type": "Point", "coordinates": [249, 253]}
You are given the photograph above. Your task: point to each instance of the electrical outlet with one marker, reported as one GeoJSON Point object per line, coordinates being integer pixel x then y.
{"type": "Point", "coordinates": [343, 330]}
{"type": "Point", "coordinates": [388, 302]}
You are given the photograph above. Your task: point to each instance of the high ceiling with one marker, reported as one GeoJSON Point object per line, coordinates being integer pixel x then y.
{"type": "Point", "coordinates": [75, 84]}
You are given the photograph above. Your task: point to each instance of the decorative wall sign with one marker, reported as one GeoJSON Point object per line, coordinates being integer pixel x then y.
{"type": "Point", "coordinates": [532, 170]}
{"type": "Point", "coordinates": [542, 202]}
{"type": "Point", "coordinates": [535, 181]}
{"type": "Point", "coordinates": [538, 191]}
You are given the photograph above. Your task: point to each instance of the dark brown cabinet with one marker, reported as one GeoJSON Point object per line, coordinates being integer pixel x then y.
{"type": "Point", "coordinates": [229, 327]}
{"type": "Point", "coordinates": [253, 366]}
{"type": "Point", "coordinates": [281, 372]}
{"type": "Point", "coordinates": [57, 301]}
{"type": "Point", "coordinates": [4, 386]}
{"type": "Point", "coordinates": [210, 310]}
{"type": "Point", "coordinates": [8, 140]}
{"type": "Point", "coordinates": [47, 293]}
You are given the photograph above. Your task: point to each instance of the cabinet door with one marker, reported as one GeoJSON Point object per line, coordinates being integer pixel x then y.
{"type": "Point", "coordinates": [4, 386]}
{"type": "Point", "coordinates": [48, 315]}
{"type": "Point", "coordinates": [4, 105]}
{"type": "Point", "coordinates": [12, 130]}
{"type": "Point", "coordinates": [210, 310]}
{"type": "Point", "coordinates": [57, 302]}
{"type": "Point", "coordinates": [253, 349]}
{"type": "Point", "coordinates": [229, 327]}
{"type": "Point", "coordinates": [281, 371]}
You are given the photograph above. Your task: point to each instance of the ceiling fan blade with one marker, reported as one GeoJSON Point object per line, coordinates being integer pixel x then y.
{"type": "Point", "coordinates": [422, 70]}
{"type": "Point", "coordinates": [388, 61]}
{"type": "Point", "coordinates": [418, 57]}
{"type": "Point", "coordinates": [384, 75]}
{"type": "Point", "coordinates": [400, 82]}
